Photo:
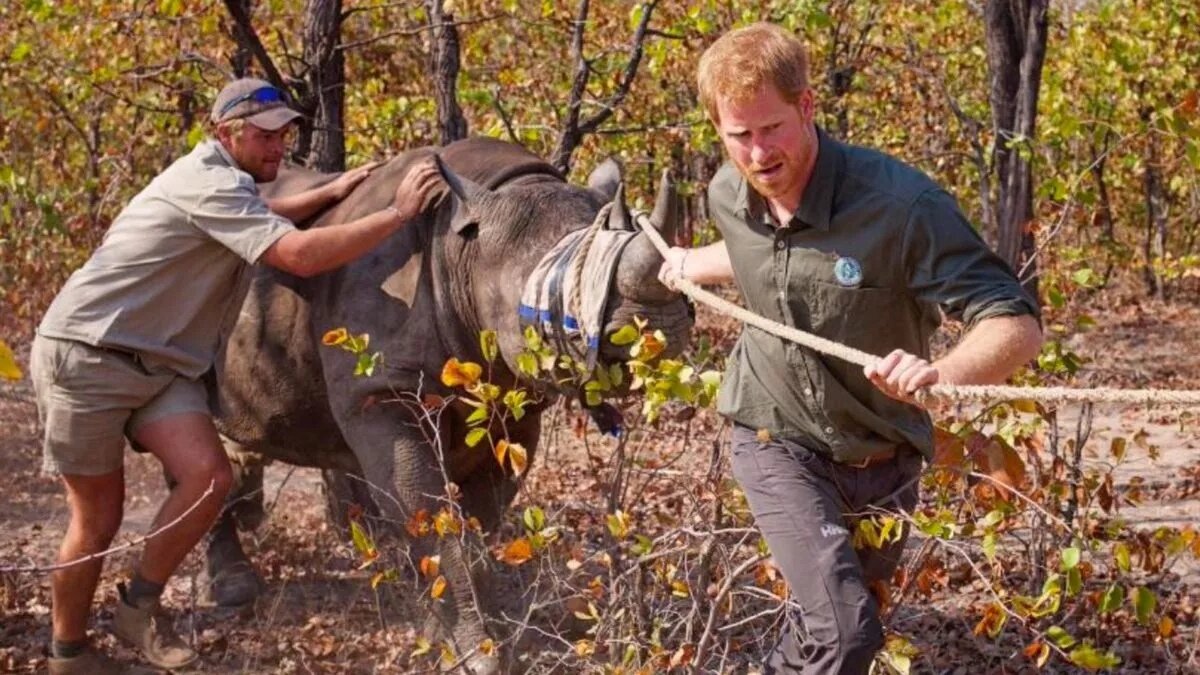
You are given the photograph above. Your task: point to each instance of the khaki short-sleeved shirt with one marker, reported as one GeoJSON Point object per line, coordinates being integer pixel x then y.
{"type": "Point", "coordinates": [874, 251]}
{"type": "Point", "coordinates": [164, 282]}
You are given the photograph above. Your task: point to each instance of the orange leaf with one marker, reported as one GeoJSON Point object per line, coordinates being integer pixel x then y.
{"type": "Point", "coordinates": [517, 552]}
{"type": "Point", "coordinates": [430, 566]}
{"type": "Point", "coordinates": [335, 337]}
{"type": "Point", "coordinates": [1038, 652]}
{"type": "Point", "coordinates": [487, 647]}
{"type": "Point", "coordinates": [418, 525]}
{"type": "Point", "coordinates": [518, 457]}
{"type": "Point", "coordinates": [651, 346]}
{"type": "Point", "coordinates": [500, 450]}
{"type": "Point", "coordinates": [439, 587]}
{"type": "Point", "coordinates": [683, 656]}
{"type": "Point", "coordinates": [585, 648]}
{"type": "Point", "coordinates": [1166, 627]}
{"type": "Point", "coordinates": [992, 621]}
{"type": "Point", "coordinates": [948, 448]}
{"type": "Point", "coordinates": [460, 374]}
{"type": "Point", "coordinates": [882, 591]}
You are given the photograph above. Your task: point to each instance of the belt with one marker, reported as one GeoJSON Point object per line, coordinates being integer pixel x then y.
{"type": "Point", "coordinates": [871, 460]}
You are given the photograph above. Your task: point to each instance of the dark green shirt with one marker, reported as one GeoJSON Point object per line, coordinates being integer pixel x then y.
{"type": "Point", "coordinates": [873, 252]}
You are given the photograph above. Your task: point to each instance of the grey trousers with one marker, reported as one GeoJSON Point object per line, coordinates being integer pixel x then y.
{"type": "Point", "coordinates": [800, 500]}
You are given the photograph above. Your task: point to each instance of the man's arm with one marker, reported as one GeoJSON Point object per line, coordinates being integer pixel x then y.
{"type": "Point", "coordinates": [705, 265]}
{"type": "Point", "coordinates": [987, 354]}
{"type": "Point", "coordinates": [302, 205]}
{"type": "Point", "coordinates": [305, 253]}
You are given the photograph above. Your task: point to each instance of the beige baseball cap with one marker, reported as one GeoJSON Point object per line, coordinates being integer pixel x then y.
{"type": "Point", "coordinates": [257, 101]}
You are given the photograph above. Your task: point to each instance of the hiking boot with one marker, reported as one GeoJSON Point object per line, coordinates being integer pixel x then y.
{"type": "Point", "coordinates": [148, 628]}
{"type": "Point", "coordinates": [88, 663]}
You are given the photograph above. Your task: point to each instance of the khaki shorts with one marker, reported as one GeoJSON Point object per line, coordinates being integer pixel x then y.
{"type": "Point", "coordinates": [90, 399]}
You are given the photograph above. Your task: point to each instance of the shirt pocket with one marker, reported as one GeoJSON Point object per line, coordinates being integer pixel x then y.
{"type": "Point", "coordinates": [859, 316]}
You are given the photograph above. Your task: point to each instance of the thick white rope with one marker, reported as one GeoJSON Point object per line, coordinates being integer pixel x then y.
{"type": "Point", "coordinates": [944, 391]}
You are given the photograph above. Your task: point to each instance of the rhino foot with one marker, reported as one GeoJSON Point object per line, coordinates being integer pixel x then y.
{"type": "Point", "coordinates": [234, 586]}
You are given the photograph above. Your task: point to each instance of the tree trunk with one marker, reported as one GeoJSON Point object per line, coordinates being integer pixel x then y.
{"type": "Point", "coordinates": [443, 70]}
{"type": "Point", "coordinates": [242, 56]}
{"type": "Point", "coordinates": [1155, 243]}
{"type": "Point", "coordinates": [325, 78]}
{"type": "Point", "coordinates": [1016, 46]}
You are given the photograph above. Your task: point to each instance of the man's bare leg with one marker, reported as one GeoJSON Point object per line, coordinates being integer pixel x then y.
{"type": "Point", "coordinates": [189, 450]}
{"type": "Point", "coordinates": [191, 453]}
{"type": "Point", "coordinates": [96, 504]}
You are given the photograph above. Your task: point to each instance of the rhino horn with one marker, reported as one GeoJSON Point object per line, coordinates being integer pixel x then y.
{"type": "Point", "coordinates": [668, 208]}
{"type": "Point", "coordinates": [468, 197]}
{"type": "Point", "coordinates": [618, 215]}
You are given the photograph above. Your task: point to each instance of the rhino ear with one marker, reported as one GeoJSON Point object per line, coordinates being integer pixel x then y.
{"type": "Point", "coordinates": [606, 178]}
{"type": "Point", "coordinates": [618, 215]}
{"type": "Point", "coordinates": [668, 208]}
{"type": "Point", "coordinates": [466, 198]}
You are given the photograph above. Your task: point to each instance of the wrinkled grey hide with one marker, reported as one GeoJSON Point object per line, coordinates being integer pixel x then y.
{"type": "Point", "coordinates": [423, 296]}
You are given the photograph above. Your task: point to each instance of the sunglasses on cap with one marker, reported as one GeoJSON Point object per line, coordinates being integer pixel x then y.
{"type": "Point", "coordinates": [260, 95]}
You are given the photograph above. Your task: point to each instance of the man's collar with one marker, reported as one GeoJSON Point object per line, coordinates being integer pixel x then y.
{"type": "Point", "coordinates": [816, 204]}
{"type": "Point", "coordinates": [220, 148]}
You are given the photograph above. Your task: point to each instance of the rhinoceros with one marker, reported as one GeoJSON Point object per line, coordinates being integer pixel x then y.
{"type": "Point", "coordinates": [423, 296]}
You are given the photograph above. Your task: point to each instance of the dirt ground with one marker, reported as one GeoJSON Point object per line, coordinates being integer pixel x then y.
{"type": "Point", "coordinates": [320, 614]}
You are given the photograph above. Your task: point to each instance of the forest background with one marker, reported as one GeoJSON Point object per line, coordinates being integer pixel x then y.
{"type": "Point", "coordinates": [1070, 133]}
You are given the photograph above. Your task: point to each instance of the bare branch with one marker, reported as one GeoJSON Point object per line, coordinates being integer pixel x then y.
{"type": "Point", "coordinates": [242, 19]}
{"type": "Point", "coordinates": [573, 130]}
{"type": "Point", "coordinates": [115, 549]}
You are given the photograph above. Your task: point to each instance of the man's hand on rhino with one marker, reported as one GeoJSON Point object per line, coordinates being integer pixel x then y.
{"type": "Point", "coordinates": [413, 190]}
{"type": "Point", "coordinates": [672, 267]}
{"type": "Point", "coordinates": [345, 183]}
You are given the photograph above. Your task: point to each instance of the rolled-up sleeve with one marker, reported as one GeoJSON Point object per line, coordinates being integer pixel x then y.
{"type": "Point", "coordinates": [948, 264]}
{"type": "Point", "coordinates": [232, 213]}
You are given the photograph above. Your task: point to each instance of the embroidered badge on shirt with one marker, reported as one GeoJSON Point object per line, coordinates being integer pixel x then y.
{"type": "Point", "coordinates": [848, 272]}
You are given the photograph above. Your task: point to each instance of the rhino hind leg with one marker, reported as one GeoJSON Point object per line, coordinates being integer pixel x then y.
{"type": "Point", "coordinates": [232, 579]}
{"type": "Point", "coordinates": [348, 496]}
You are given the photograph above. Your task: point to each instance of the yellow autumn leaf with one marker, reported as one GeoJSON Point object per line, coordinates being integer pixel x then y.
{"type": "Point", "coordinates": [585, 648]}
{"type": "Point", "coordinates": [335, 337]}
{"type": "Point", "coordinates": [439, 587]}
{"type": "Point", "coordinates": [460, 374]}
{"type": "Point", "coordinates": [518, 457]}
{"type": "Point", "coordinates": [9, 370]}
{"type": "Point", "coordinates": [446, 522]}
{"type": "Point", "coordinates": [423, 647]}
{"type": "Point", "coordinates": [487, 647]}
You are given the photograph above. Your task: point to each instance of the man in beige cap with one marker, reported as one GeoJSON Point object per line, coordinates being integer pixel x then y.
{"type": "Point", "coordinates": [120, 353]}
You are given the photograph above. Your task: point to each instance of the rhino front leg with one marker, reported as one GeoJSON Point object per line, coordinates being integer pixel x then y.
{"type": "Point", "coordinates": [232, 579]}
{"type": "Point", "coordinates": [403, 456]}
{"type": "Point", "coordinates": [488, 490]}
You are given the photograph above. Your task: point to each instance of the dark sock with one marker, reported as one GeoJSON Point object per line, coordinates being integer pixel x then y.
{"type": "Point", "coordinates": [141, 592]}
{"type": "Point", "coordinates": [67, 650]}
